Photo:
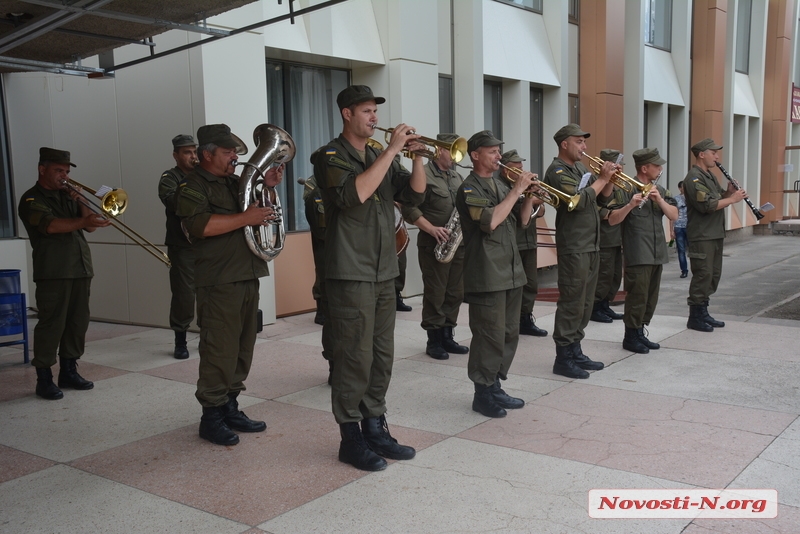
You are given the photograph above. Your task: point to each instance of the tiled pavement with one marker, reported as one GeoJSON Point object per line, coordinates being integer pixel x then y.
{"type": "Point", "coordinates": [706, 410]}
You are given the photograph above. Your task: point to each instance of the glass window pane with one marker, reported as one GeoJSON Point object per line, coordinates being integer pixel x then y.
{"type": "Point", "coordinates": [493, 108]}
{"type": "Point", "coordinates": [743, 35]}
{"type": "Point", "coordinates": [658, 23]}
{"type": "Point", "coordinates": [535, 5]}
{"type": "Point", "coordinates": [536, 132]}
{"type": "Point", "coordinates": [447, 122]}
{"type": "Point", "coordinates": [574, 109]}
{"type": "Point", "coordinates": [7, 222]}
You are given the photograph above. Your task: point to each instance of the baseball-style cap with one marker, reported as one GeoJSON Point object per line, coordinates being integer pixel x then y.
{"type": "Point", "coordinates": [511, 156]}
{"type": "Point", "coordinates": [482, 138]}
{"type": "Point", "coordinates": [447, 137]}
{"type": "Point", "coordinates": [220, 135]}
{"type": "Point", "coordinates": [570, 130]}
{"type": "Point", "coordinates": [52, 155]}
{"type": "Point", "coordinates": [609, 154]}
{"type": "Point", "coordinates": [183, 140]}
{"type": "Point", "coordinates": [643, 156]}
{"type": "Point", "coordinates": [356, 94]}
{"type": "Point", "coordinates": [705, 144]}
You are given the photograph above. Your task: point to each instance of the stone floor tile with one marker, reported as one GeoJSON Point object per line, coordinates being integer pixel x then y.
{"type": "Point", "coordinates": [139, 351]}
{"type": "Point", "coordinates": [743, 339]}
{"type": "Point", "coordinates": [786, 523]}
{"type": "Point", "coordinates": [14, 463]}
{"type": "Point", "coordinates": [661, 327]}
{"type": "Point", "coordinates": [18, 380]}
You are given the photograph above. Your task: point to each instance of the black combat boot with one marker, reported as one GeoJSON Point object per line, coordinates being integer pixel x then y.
{"type": "Point", "coordinates": [697, 320]}
{"type": "Point", "coordinates": [527, 326]}
{"type": "Point", "coordinates": [434, 347]}
{"type": "Point", "coordinates": [646, 342]}
{"type": "Point", "coordinates": [354, 450]}
{"type": "Point", "coordinates": [237, 420]}
{"type": "Point", "coordinates": [449, 343]}
{"type": "Point", "coordinates": [632, 342]}
{"type": "Point", "coordinates": [181, 352]}
{"type": "Point", "coordinates": [68, 376]}
{"type": "Point", "coordinates": [710, 320]}
{"type": "Point", "coordinates": [565, 365]}
{"type": "Point", "coordinates": [402, 306]}
{"type": "Point", "coordinates": [214, 429]}
{"type": "Point", "coordinates": [319, 317]}
{"type": "Point", "coordinates": [44, 385]}
{"type": "Point", "coordinates": [599, 313]}
{"type": "Point", "coordinates": [484, 402]}
{"type": "Point", "coordinates": [583, 360]}
{"type": "Point", "coordinates": [503, 399]}
{"type": "Point", "coordinates": [376, 433]}
{"type": "Point", "coordinates": [611, 313]}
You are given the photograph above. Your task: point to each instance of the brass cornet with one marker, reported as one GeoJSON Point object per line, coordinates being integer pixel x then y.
{"type": "Point", "coordinates": [547, 193]}
{"type": "Point", "coordinates": [619, 179]}
{"type": "Point", "coordinates": [457, 149]}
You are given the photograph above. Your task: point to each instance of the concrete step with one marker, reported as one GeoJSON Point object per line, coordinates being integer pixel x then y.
{"type": "Point", "coordinates": [787, 227]}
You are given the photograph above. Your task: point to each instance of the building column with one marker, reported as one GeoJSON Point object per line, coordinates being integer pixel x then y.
{"type": "Point", "coordinates": [708, 70]}
{"type": "Point", "coordinates": [517, 117]}
{"type": "Point", "coordinates": [468, 66]}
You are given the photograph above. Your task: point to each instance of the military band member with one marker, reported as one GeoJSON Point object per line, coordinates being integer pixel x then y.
{"type": "Point", "coordinates": [705, 229]}
{"type": "Point", "coordinates": [493, 276]}
{"type": "Point", "coordinates": [578, 242]}
{"type": "Point", "coordinates": [443, 282]}
{"type": "Point", "coordinates": [359, 186]}
{"type": "Point", "coordinates": [645, 248]}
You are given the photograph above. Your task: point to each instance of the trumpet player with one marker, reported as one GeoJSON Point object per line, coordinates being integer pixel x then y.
{"type": "Point", "coordinates": [55, 218]}
{"type": "Point", "coordinates": [179, 250]}
{"type": "Point", "coordinates": [443, 282]}
{"type": "Point", "coordinates": [578, 240]}
{"type": "Point", "coordinates": [645, 247]}
{"type": "Point", "coordinates": [359, 184]}
{"type": "Point", "coordinates": [226, 277]}
{"type": "Point", "coordinates": [527, 244]}
{"type": "Point", "coordinates": [490, 212]}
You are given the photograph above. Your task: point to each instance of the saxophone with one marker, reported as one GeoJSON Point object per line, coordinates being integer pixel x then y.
{"type": "Point", "coordinates": [444, 252]}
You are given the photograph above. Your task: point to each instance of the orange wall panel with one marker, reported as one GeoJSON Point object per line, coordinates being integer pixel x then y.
{"type": "Point", "coordinates": [294, 276]}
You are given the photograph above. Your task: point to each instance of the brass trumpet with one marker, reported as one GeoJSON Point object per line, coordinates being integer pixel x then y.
{"type": "Point", "coordinates": [112, 204]}
{"type": "Point", "coordinates": [619, 179]}
{"type": "Point", "coordinates": [547, 193]}
{"type": "Point", "coordinates": [457, 149]}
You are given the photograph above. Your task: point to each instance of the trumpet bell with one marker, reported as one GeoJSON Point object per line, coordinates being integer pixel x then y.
{"type": "Point", "coordinates": [458, 149]}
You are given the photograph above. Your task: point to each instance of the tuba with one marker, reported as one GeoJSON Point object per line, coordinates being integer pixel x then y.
{"type": "Point", "coordinates": [444, 252]}
{"type": "Point", "coordinates": [274, 147]}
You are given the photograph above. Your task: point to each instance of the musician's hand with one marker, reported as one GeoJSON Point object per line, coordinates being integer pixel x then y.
{"type": "Point", "coordinates": [256, 215]}
{"type": "Point", "coordinates": [274, 176]}
{"type": "Point", "coordinates": [74, 193]}
{"type": "Point", "coordinates": [636, 200]}
{"type": "Point", "coordinates": [524, 182]}
{"type": "Point", "coordinates": [655, 195]}
{"type": "Point", "coordinates": [738, 195]}
{"type": "Point", "coordinates": [440, 233]}
{"type": "Point", "coordinates": [672, 234]}
{"type": "Point", "coordinates": [94, 220]}
{"type": "Point", "coordinates": [608, 170]}
{"type": "Point", "coordinates": [400, 137]}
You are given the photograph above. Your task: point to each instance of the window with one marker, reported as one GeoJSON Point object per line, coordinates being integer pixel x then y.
{"type": "Point", "coordinates": [574, 11]}
{"type": "Point", "coordinates": [533, 5]}
{"type": "Point", "coordinates": [447, 123]}
{"type": "Point", "coordinates": [536, 160]}
{"type": "Point", "coordinates": [658, 23]}
{"type": "Point", "coordinates": [302, 100]}
{"type": "Point", "coordinates": [743, 13]}
{"type": "Point", "coordinates": [493, 108]}
{"type": "Point", "coordinates": [574, 109]}
{"type": "Point", "coordinates": [7, 226]}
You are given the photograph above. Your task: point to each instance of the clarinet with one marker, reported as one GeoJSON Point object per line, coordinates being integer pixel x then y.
{"type": "Point", "coordinates": [755, 210]}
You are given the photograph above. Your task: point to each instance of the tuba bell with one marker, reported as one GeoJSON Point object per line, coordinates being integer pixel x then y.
{"type": "Point", "coordinates": [274, 147]}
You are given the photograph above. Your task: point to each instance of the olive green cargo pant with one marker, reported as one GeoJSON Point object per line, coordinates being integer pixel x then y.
{"type": "Point", "coordinates": [494, 321]}
{"type": "Point", "coordinates": [443, 288]}
{"type": "Point", "coordinates": [641, 284]}
{"type": "Point", "coordinates": [609, 274]}
{"type": "Point", "coordinates": [577, 280]}
{"type": "Point", "coordinates": [181, 283]}
{"type": "Point", "coordinates": [531, 289]}
{"type": "Point", "coordinates": [706, 260]}
{"type": "Point", "coordinates": [63, 320]}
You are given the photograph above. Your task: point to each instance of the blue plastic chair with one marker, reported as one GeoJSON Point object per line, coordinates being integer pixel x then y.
{"type": "Point", "coordinates": [14, 321]}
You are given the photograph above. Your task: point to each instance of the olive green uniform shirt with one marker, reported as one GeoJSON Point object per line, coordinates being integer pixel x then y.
{"type": "Point", "coordinates": [611, 236]}
{"type": "Point", "coordinates": [315, 211]}
{"type": "Point", "coordinates": [703, 193]}
{"type": "Point", "coordinates": [220, 259]}
{"type": "Point", "coordinates": [643, 237]}
{"type": "Point", "coordinates": [439, 202]}
{"type": "Point", "coordinates": [55, 256]}
{"type": "Point", "coordinates": [168, 193]}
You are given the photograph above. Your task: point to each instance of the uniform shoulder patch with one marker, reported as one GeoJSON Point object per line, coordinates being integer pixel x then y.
{"type": "Point", "coordinates": [701, 196]}
{"type": "Point", "coordinates": [339, 162]}
{"type": "Point", "coordinates": [472, 200]}
{"type": "Point", "coordinates": [559, 170]}
{"type": "Point", "coordinates": [191, 193]}
{"type": "Point", "coordinates": [467, 190]}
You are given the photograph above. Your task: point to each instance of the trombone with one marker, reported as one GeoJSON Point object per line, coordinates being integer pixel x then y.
{"type": "Point", "coordinates": [620, 179]}
{"type": "Point", "coordinates": [457, 149]}
{"type": "Point", "coordinates": [547, 192]}
{"type": "Point", "coordinates": [113, 203]}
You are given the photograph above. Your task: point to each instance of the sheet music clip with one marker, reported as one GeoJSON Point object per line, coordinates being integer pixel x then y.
{"type": "Point", "coordinates": [104, 189]}
{"type": "Point", "coordinates": [766, 207]}
{"type": "Point", "coordinates": [584, 180]}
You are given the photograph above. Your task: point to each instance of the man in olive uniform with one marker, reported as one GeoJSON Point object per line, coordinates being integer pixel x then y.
{"type": "Point", "coordinates": [578, 242]}
{"type": "Point", "coordinates": [226, 277]}
{"type": "Point", "coordinates": [705, 229]}
{"type": "Point", "coordinates": [645, 248]}
{"type": "Point", "coordinates": [493, 274]}
{"type": "Point", "coordinates": [359, 185]}
{"type": "Point", "coordinates": [526, 244]}
{"type": "Point", "coordinates": [179, 250]}
{"type": "Point", "coordinates": [55, 218]}
{"type": "Point", "coordinates": [442, 282]}
{"type": "Point", "coordinates": [609, 275]}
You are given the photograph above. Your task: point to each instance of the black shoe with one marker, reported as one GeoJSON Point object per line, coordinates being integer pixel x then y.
{"type": "Point", "coordinates": [237, 420]}
{"type": "Point", "coordinates": [181, 352]}
{"type": "Point", "coordinates": [434, 346]}
{"type": "Point", "coordinates": [583, 360]}
{"type": "Point", "coordinates": [611, 313]}
{"type": "Point", "coordinates": [684, 274]}
{"type": "Point", "coordinates": [68, 376]}
{"type": "Point", "coordinates": [402, 306]}
{"type": "Point", "coordinates": [696, 320]}
{"type": "Point", "coordinates": [214, 429]}
{"type": "Point", "coordinates": [710, 320]}
{"type": "Point", "coordinates": [354, 450]}
{"type": "Point", "coordinates": [376, 433]}
{"type": "Point", "coordinates": [449, 343]}
{"type": "Point", "coordinates": [484, 402]}
{"type": "Point", "coordinates": [646, 342]}
{"type": "Point", "coordinates": [527, 326]}
{"type": "Point", "coordinates": [503, 399]}
{"type": "Point", "coordinates": [565, 365]}
{"type": "Point", "coordinates": [632, 342]}
{"type": "Point", "coordinates": [45, 388]}
{"type": "Point", "coordinates": [599, 314]}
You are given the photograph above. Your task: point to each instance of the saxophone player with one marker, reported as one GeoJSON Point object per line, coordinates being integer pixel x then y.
{"type": "Point", "coordinates": [443, 284]}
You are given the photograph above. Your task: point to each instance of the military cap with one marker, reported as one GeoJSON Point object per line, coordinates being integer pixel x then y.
{"type": "Point", "coordinates": [570, 130]}
{"type": "Point", "coordinates": [705, 144]}
{"type": "Point", "coordinates": [52, 155]}
{"type": "Point", "coordinates": [643, 156]}
{"type": "Point", "coordinates": [356, 94]}
{"type": "Point", "coordinates": [220, 135]}
{"type": "Point", "coordinates": [447, 137]}
{"type": "Point", "coordinates": [511, 156]}
{"type": "Point", "coordinates": [609, 154]}
{"type": "Point", "coordinates": [482, 138]}
{"type": "Point", "coordinates": [183, 140]}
